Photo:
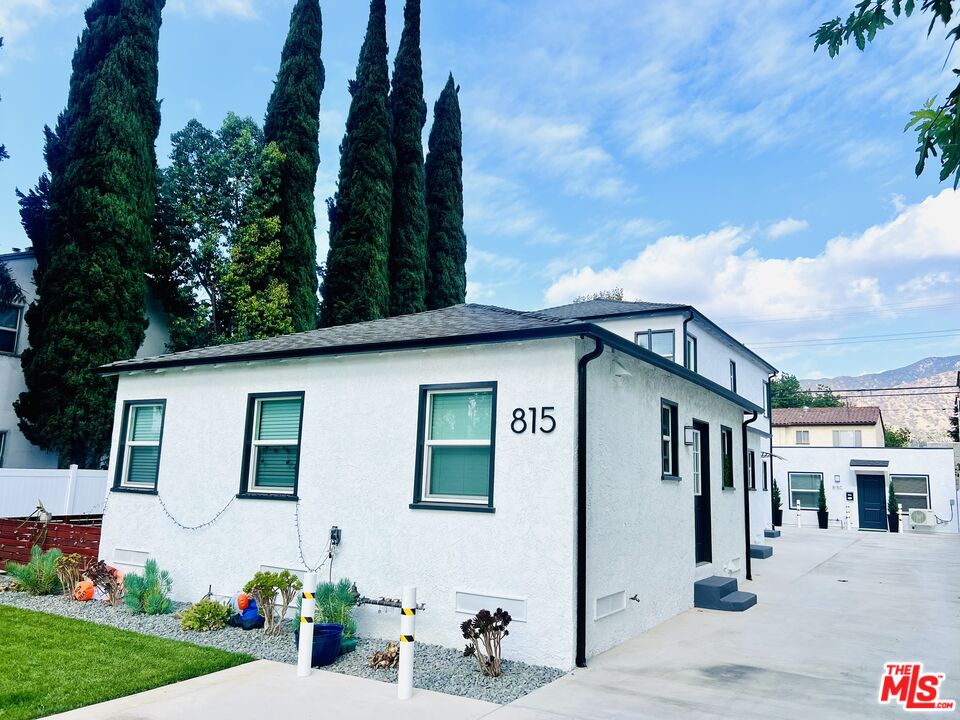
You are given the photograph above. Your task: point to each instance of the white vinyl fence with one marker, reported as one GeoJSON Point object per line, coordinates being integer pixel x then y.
{"type": "Point", "coordinates": [62, 492]}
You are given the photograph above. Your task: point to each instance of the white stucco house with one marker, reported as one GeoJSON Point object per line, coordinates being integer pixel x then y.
{"type": "Point", "coordinates": [15, 450]}
{"type": "Point", "coordinates": [844, 448]}
{"type": "Point", "coordinates": [580, 466]}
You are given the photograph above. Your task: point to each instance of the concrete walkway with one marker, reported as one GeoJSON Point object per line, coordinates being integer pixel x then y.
{"type": "Point", "coordinates": [833, 607]}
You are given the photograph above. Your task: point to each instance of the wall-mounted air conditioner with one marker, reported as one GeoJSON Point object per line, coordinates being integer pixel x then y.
{"type": "Point", "coordinates": [920, 517]}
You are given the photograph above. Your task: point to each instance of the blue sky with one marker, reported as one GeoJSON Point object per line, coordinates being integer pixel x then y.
{"type": "Point", "coordinates": [694, 152]}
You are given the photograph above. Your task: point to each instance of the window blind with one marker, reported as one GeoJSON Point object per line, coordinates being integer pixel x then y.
{"type": "Point", "coordinates": [280, 419]}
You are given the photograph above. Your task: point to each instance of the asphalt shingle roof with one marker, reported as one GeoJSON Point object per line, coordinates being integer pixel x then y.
{"type": "Point", "coordinates": [455, 321]}
{"type": "Point", "coordinates": [783, 417]}
{"type": "Point", "coordinates": [605, 308]}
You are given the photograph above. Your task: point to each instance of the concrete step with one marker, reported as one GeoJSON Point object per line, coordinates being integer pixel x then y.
{"type": "Point", "coordinates": [761, 552]}
{"type": "Point", "coordinates": [738, 601]}
{"type": "Point", "coordinates": [708, 592]}
{"type": "Point", "coordinates": [771, 533]}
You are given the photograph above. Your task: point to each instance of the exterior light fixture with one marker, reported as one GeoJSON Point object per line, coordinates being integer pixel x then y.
{"type": "Point", "coordinates": [836, 479]}
{"type": "Point", "coordinates": [688, 434]}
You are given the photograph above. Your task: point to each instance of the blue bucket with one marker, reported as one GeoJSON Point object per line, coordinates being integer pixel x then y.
{"type": "Point", "coordinates": [326, 643]}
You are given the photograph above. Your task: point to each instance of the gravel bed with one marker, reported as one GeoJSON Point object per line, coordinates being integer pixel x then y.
{"type": "Point", "coordinates": [436, 668]}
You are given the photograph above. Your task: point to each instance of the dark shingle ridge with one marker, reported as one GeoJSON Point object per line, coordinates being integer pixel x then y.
{"type": "Point", "coordinates": [605, 308]}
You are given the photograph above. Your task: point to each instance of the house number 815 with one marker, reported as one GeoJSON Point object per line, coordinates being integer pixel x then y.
{"type": "Point", "coordinates": [521, 425]}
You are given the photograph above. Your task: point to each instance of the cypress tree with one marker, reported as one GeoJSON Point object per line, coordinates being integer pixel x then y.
{"type": "Point", "coordinates": [90, 282]}
{"type": "Point", "coordinates": [356, 285]}
{"type": "Point", "coordinates": [408, 234]}
{"type": "Point", "coordinates": [446, 241]}
{"type": "Point", "coordinates": [292, 122]}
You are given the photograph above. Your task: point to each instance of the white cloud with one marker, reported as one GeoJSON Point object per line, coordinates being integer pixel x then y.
{"type": "Point", "coordinates": [787, 226]}
{"type": "Point", "coordinates": [897, 262]}
{"type": "Point", "coordinates": [214, 8]}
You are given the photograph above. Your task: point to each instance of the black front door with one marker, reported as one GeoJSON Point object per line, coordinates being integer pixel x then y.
{"type": "Point", "coordinates": [871, 502]}
{"type": "Point", "coordinates": [701, 491]}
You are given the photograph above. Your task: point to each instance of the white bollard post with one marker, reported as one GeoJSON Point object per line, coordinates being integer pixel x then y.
{"type": "Point", "coordinates": [798, 513]}
{"type": "Point", "coordinates": [408, 621]}
{"type": "Point", "coordinates": [902, 522]}
{"type": "Point", "coordinates": [308, 606]}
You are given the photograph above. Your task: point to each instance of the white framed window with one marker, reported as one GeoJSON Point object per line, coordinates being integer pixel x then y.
{"type": "Point", "coordinates": [803, 437]}
{"type": "Point", "coordinates": [272, 452]}
{"type": "Point", "coordinates": [669, 451]}
{"type": "Point", "coordinates": [805, 487]}
{"type": "Point", "coordinates": [697, 464]}
{"type": "Point", "coordinates": [733, 376]}
{"type": "Point", "coordinates": [690, 358]}
{"type": "Point", "coordinates": [726, 457]}
{"type": "Point", "coordinates": [847, 438]}
{"type": "Point", "coordinates": [752, 469]}
{"type": "Point", "coordinates": [455, 458]}
{"type": "Point", "coordinates": [912, 491]}
{"type": "Point", "coordinates": [141, 438]}
{"type": "Point", "coordinates": [9, 328]}
{"type": "Point", "coordinates": [659, 341]}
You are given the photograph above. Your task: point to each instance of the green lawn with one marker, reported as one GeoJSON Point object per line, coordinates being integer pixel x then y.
{"type": "Point", "coordinates": [51, 664]}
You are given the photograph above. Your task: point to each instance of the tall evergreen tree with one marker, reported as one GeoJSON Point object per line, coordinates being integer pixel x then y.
{"type": "Point", "coordinates": [408, 234]}
{"type": "Point", "coordinates": [292, 122]}
{"type": "Point", "coordinates": [90, 278]}
{"type": "Point", "coordinates": [446, 242]}
{"type": "Point", "coordinates": [356, 285]}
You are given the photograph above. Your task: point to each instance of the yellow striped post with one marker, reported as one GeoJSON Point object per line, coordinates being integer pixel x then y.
{"type": "Point", "coordinates": [308, 606]}
{"type": "Point", "coordinates": [408, 617]}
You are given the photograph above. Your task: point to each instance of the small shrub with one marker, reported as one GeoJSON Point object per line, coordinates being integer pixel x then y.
{"type": "Point", "coordinates": [387, 658]}
{"type": "Point", "coordinates": [149, 593]}
{"type": "Point", "coordinates": [69, 571]}
{"type": "Point", "coordinates": [893, 504]}
{"type": "Point", "coordinates": [39, 576]}
{"type": "Point", "coordinates": [821, 498]}
{"type": "Point", "coordinates": [104, 578]}
{"type": "Point", "coordinates": [264, 588]}
{"type": "Point", "coordinates": [335, 604]}
{"type": "Point", "coordinates": [486, 631]}
{"type": "Point", "coordinates": [205, 615]}
{"type": "Point", "coordinates": [777, 502]}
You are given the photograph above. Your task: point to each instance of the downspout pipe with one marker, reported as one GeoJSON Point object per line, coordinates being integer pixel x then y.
{"type": "Point", "coordinates": [773, 508]}
{"type": "Point", "coordinates": [746, 493]}
{"type": "Point", "coordinates": [581, 657]}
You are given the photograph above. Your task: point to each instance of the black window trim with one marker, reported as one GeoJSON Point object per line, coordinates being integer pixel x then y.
{"type": "Point", "coordinates": [118, 485]}
{"type": "Point", "coordinates": [733, 375]}
{"type": "Point", "coordinates": [21, 309]}
{"type": "Point", "coordinates": [245, 492]}
{"type": "Point", "coordinates": [418, 502]}
{"type": "Point", "coordinates": [674, 440]}
{"type": "Point", "coordinates": [752, 468]}
{"type": "Point", "coordinates": [790, 474]}
{"type": "Point", "coordinates": [925, 476]}
{"type": "Point", "coordinates": [649, 333]}
{"type": "Point", "coordinates": [727, 431]}
{"type": "Point", "coordinates": [690, 358]}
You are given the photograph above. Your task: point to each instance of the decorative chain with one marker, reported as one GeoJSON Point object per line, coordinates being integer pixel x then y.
{"type": "Point", "coordinates": [211, 521]}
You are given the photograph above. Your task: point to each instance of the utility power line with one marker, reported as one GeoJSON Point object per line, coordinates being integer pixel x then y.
{"type": "Point", "coordinates": [902, 387]}
{"type": "Point", "coordinates": [913, 335]}
{"type": "Point", "coordinates": [851, 311]}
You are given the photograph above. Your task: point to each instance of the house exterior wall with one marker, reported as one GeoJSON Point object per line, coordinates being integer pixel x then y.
{"type": "Point", "coordinates": [936, 463]}
{"type": "Point", "coordinates": [761, 513]}
{"type": "Point", "coordinates": [822, 435]}
{"type": "Point", "coordinates": [358, 452]}
{"type": "Point", "coordinates": [18, 451]}
{"type": "Point", "coordinates": [641, 528]}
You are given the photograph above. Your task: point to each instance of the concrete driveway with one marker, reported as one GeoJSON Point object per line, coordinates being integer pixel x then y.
{"type": "Point", "coordinates": [833, 608]}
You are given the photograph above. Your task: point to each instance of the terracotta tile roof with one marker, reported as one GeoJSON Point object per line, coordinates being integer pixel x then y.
{"type": "Point", "coordinates": [783, 417]}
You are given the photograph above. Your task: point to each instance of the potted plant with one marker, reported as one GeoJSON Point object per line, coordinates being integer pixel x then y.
{"type": "Point", "coordinates": [334, 615]}
{"type": "Point", "coordinates": [893, 510]}
{"type": "Point", "coordinates": [777, 506]}
{"type": "Point", "coordinates": [822, 507]}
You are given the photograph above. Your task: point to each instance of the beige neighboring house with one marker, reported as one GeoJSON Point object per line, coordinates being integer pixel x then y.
{"type": "Point", "coordinates": [828, 427]}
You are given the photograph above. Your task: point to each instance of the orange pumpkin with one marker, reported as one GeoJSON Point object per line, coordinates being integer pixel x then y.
{"type": "Point", "coordinates": [83, 591]}
{"type": "Point", "coordinates": [243, 602]}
